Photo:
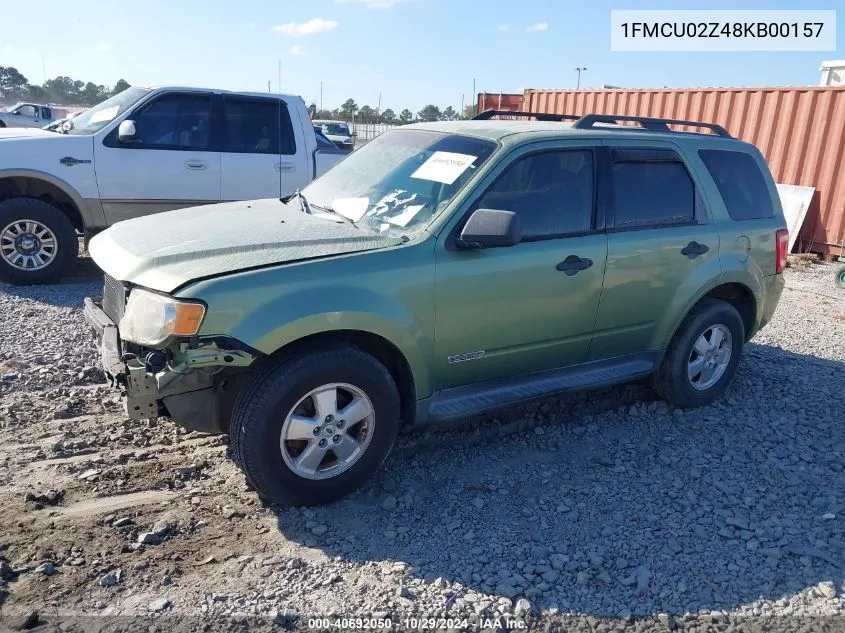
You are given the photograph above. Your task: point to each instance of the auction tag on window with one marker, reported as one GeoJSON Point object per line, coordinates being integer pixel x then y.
{"type": "Point", "coordinates": [104, 115]}
{"type": "Point", "coordinates": [444, 167]}
{"type": "Point", "coordinates": [352, 208]}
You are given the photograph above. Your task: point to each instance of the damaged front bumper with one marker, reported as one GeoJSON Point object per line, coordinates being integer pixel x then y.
{"type": "Point", "coordinates": [196, 392]}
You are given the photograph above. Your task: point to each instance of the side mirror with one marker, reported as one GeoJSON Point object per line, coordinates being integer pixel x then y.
{"type": "Point", "coordinates": [490, 228]}
{"type": "Point", "coordinates": [126, 132]}
{"type": "Point", "coordinates": [16, 112]}
{"type": "Point", "coordinates": [353, 134]}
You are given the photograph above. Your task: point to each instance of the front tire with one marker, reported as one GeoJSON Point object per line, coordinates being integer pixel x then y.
{"type": "Point", "coordinates": [703, 356]}
{"type": "Point", "coordinates": [840, 278]}
{"type": "Point", "coordinates": [311, 429]}
{"type": "Point", "coordinates": [38, 243]}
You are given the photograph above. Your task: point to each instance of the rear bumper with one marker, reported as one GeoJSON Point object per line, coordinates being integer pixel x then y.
{"type": "Point", "coordinates": [773, 289]}
{"type": "Point", "coordinates": [196, 400]}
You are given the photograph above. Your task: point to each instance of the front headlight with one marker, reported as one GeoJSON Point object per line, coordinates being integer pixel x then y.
{"type": "Point", "coordinates": [151, 319]}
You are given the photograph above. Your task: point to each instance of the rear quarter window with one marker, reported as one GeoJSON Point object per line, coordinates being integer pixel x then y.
{"type": "Point", "coordinates": [740, 182]}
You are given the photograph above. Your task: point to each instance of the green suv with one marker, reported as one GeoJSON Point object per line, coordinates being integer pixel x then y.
{"type": "Point", "coordinates": [441, 271]}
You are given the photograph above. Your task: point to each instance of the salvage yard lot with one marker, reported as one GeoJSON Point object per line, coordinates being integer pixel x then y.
{"type": "Point", "coordinates": [604, 505]}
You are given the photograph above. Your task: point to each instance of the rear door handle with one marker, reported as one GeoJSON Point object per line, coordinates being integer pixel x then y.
{"type": "Point", "coordinates": [694, 249]}
{"type": "Point", "coordinates": [195, 164]}
{"type": "Point", "coordinates": [285, 167]}
{"type": "Point", "coordinates": [573, 264]}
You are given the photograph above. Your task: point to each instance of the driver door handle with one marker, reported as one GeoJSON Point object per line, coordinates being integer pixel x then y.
{"type": "Point", "coordinates": [195, 164]}
{"type": "Point", "coordinates": [573, 264]}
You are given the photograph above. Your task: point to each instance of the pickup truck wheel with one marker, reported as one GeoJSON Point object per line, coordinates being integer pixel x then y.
{"type": "Point", "coordinates": [38, 244]}
{"type": "Point", "coordinates": [313, 428]}
{"type": "Point", "coordinates": [703, 357]}
{"type": "Point", "coordinates": [840, 278]}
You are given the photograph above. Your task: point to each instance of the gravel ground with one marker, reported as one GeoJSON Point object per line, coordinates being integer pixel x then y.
{"type": "Point", "coordinates": [597, 511]}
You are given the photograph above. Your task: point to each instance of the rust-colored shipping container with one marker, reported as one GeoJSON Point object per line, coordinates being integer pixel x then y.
{"type": "Point", "coordinates": [801, 132]}
{"type": "Point", "coordinates": [498, 101]}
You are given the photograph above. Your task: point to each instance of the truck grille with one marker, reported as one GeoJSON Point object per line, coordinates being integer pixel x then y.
{"type": "Point", "coordinates": [114, 299]}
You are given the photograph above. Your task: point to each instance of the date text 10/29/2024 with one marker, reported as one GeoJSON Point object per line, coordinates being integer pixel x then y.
{"type": "Point", "coordinates": [479, 623]}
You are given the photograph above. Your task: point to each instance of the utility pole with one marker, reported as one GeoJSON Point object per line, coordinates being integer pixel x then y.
{"type": "Point", "coordinates": [321, 96]}
{"type": "Point", "coordinates": [268, 86]}
{"type": "Point", "coordinates": [44, 68]}
{"type": "Point", "coordinates": [474, 94]}
{"type": "Point", "coordinates": [378, 108]}
{"type": "Point", "coordinates": [280, 77]}
{"type": "Point", "coordinates": [578, 70]}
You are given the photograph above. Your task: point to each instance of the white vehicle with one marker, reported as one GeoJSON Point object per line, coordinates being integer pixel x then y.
{"type": "Point", "coordinates": [337, 132]}
{"type": "Point", "coordinates": [144, 151]}
{"type": "Point", "coordinates": [54, 126]}
{"type": "Point", "coordinates": [27, 115]}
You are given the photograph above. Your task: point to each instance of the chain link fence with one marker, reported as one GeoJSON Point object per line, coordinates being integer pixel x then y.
{"type": "Point", "coordinates": [366, 132]}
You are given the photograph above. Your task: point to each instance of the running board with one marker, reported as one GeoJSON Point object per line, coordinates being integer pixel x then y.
{"type": "Point", "coordinates": [484, 397]}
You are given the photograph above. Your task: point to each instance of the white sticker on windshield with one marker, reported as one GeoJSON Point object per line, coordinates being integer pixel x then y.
{"type": "Point", "coordinates": [104, 115]}
{"type": "Point", "coordinates": [352, 208]}
{"type": "Point", "coordinates": [444, 167]}
{"type": "Point", "coordinates": [406, 216]}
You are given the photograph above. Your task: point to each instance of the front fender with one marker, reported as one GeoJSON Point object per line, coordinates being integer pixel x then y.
{"type": "Point", "coordinates": [292, 317]}
{"type": "Point", "coordinates": [388, 293]}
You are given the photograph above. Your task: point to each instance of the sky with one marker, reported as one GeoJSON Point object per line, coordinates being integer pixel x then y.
{"type": "Point", "coordinates": [411, 52]}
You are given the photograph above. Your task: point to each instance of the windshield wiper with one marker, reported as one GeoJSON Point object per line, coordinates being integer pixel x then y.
{"type": "Point", "coordinates": [338, 214]}
{"type": "Point", "coordinates": [303, 201]}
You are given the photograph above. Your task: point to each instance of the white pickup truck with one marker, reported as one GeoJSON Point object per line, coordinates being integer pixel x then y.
{"type": "Point", "coordinates": [143, 151]}
{"type": "Point", "coordinates": [28, 115]}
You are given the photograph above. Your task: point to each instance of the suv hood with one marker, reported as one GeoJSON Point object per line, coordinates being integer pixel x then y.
{"type": "Point", "coordinates": [167, 250]}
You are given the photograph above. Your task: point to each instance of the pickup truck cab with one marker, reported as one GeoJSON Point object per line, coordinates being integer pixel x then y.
{"type": "Point", "coordinates": [140, 152]}
{"type": "Point", "coordinates": [27, 115]}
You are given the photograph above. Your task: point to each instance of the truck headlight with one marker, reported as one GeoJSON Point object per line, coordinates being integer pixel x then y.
{"type": "Point", "coordinates": [151, 319]}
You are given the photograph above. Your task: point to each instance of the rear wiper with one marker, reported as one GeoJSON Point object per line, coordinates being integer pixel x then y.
{"type": "Point", "coordinates": [303, 201]}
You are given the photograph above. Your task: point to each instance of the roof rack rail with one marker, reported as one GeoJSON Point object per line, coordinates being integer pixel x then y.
{"type": "Point", "coordinates": [540, 116]}
{"type": "Point", "coordinates": [654, 124]}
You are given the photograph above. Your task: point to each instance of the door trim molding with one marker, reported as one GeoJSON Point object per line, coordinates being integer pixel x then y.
{"type": "Point", "coordinates": [484, 397]}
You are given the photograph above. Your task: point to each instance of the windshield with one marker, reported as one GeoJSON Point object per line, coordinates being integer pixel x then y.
{"type": "Point", "coordinates": [400, 180]}
{"type": "Point", "coordinates": [96, 118]}
{"type": "Point", "coordinates": [335, 129]}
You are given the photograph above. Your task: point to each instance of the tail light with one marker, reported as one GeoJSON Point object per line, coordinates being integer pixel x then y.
{"type": "Point", "coordinates": [782, 244]}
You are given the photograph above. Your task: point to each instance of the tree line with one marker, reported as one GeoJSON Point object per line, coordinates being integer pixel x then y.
{"type": "Point", "coordinates": [14, 86]}
{"type": "Point", "coordinates": [349, 111]}
{"type": "Point", "coordinates": [62, 90]}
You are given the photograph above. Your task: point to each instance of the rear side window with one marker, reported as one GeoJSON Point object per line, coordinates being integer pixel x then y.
{"type": "Point", "coordinates": [738, 178]}
{"type": "Point", "coordinates": [651, 190]}
{"type": "Point", "coordinates": [252, 127]}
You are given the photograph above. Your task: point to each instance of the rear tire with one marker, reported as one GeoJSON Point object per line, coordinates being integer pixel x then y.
{"type": "Point", "coordinates": [308, 397]}
{"type": "Point", "coordinates": [840, 278]}
{"type": "Point", "coordinates": [697, 369]}
{"type": "Point", "coordinates": [38, 243]}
